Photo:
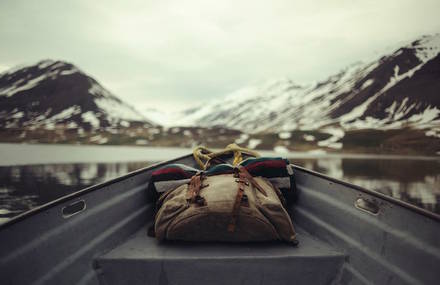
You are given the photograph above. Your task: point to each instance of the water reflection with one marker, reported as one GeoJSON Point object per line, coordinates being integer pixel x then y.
{"type": "Point", "coordinates": [25, 187]}
{"type": "Point", "coordinates": [414, 181]}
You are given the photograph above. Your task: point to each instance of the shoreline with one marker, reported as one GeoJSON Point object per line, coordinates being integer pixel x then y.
{"type": "Point", "coordinates": [31, 154]}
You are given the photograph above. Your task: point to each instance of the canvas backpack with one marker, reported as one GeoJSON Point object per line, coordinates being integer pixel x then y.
{"type": "Point", "coordinates": [231, 207]}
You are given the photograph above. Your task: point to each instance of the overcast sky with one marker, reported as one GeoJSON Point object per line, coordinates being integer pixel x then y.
{"type": "Point", "coordinates": [173, 54]}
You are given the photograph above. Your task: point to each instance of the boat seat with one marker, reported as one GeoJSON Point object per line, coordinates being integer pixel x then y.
{"type": "Point", "coordinates": [144, 260]}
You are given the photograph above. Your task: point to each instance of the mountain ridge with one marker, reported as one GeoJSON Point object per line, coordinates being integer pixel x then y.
{"type": "Point", "coordinates": [397, 90]}
{"type": "Point", "coordinates": [387, 105]}
{"type": "Point", "coordinates": [53, 94]}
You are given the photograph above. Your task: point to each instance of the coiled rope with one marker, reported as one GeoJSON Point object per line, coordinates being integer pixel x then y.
{"type": "Point", "coordinates": [203, 156]}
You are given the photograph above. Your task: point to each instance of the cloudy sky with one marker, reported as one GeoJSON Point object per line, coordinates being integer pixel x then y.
{"type": "Point", "coordinates": [173, 54]}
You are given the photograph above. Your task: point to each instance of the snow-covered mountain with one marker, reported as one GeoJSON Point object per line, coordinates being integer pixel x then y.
{"type": "Point", "coordinates": [398, 90]}
{"type": "Point", "coordinates": [56, 94]}
{"type": "Point", "coordinates": [388, 105]}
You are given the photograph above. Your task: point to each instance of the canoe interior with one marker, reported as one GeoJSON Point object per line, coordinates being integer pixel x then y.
{"type": "Point", "coordinates": [106, 243]}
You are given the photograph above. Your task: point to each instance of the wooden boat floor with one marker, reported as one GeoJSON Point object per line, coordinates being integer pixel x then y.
{"type": "Point", "coordinates": [144, 260]}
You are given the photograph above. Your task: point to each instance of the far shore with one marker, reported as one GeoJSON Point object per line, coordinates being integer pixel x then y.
{"type": "Point", "coordinates": [26, 154]}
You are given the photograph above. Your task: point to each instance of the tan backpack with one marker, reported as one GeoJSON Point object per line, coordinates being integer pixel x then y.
{"type": "Point", "coordinates": [227, 207]}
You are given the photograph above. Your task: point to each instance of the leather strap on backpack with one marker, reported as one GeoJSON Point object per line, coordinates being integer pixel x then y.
{"type": "Point", "coordinates": [242, 181]}
{"type": "Point", "coordinates": [251, 179]}
{"type": "Point", "coordinates": [195, 185]}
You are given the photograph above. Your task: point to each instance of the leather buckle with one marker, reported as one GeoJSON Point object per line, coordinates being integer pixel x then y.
{"type": "Point", "coordinates": [239, 180]}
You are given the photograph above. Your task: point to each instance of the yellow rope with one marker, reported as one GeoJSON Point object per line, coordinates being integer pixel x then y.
{"type": "Point", "coordinates": [201, 154]}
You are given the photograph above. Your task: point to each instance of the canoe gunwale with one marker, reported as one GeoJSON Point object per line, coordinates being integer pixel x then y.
{"type": "Point", "coordinates": [390, 199]}
{"type": "Point", "coordinates": [79, 193]}
{"type": "Point", "coordinates": [95, 187]}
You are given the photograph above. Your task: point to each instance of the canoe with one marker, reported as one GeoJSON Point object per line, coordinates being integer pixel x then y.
{"type": "Point", "coordinates": [347, 235]}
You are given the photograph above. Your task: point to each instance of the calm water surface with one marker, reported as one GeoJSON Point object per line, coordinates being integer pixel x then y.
{"type": "Point", "coordinates": [23, 187]}
{"type": "Point", "coordinates": [414, 181]}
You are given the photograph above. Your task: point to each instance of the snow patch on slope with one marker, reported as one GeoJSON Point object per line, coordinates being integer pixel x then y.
{"type": "Point", "coordinates": [67, 113]}
{"type": "Point", "coordinates": [253, 143]}
{"type": "Point", "coordinates": [45, 63]}
{"type": "Point", "coordinates": [367, 83]}
{"type": "Point", "coordinates": [242, 139]}
{"type": "Point", "coordinates": [332, 142]}
{"type": "Point", "coordinates": [118, 110]}
{"type": "Point", "coordinates": [18, 87]}
{"type": "Point", "coordinates": [68, 72]}
{"type": "Point", "coordinates": [427, 48]}
{"type": "Point", "coordinates": [114, 108]}
{"type": "Point", "coordinates": [284, 135]}
{"type": "Point", "coordinates": [90, 117]}
{"type": "Point", "coordinates": [98, 90]}
{"type": "Point", "coordinates": [355, 115]}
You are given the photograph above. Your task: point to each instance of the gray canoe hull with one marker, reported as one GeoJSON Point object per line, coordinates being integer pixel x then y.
{"type": "Point", "coordinates": [397, 245]}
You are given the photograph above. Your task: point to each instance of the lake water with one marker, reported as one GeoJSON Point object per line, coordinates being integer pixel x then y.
{"type": "Point", "coordinates": [32, 175]}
